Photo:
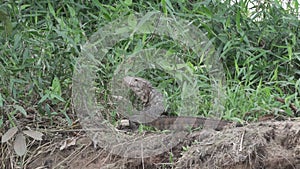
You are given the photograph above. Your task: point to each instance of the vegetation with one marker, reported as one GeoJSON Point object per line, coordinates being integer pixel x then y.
{"type": "Point", "coordinates": [41, 40]}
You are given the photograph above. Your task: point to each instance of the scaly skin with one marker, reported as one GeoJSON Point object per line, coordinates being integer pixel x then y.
{"type": "Point", "coordinates": [151, 98]}
{"type": "Point", "coordinates": [154, 107]}
{"type": "Point", "coordinates": [185, 123]}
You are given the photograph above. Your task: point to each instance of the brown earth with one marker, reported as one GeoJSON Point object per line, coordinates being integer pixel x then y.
{"type": "Point", "coordinates": [274, 145]}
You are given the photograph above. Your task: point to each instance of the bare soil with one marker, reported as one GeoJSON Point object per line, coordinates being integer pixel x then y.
{"type": "Point", "coordinates": [274, 145]}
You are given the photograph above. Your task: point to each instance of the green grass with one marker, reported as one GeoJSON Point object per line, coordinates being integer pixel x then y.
{"type": "Point", "coordinates": [41, 40]}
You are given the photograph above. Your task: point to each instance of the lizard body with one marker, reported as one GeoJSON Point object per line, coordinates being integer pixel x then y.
{"type": "Point", "coordinates": [152, 99]}
{"type": "Point", "coordinates": [154, 107]}
{"type": "Point", "coordinates": [186, 122]}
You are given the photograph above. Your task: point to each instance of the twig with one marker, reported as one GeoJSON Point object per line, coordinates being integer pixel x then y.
{"type": "Point", "coordinates": [241, 142]}
{"type": "Point", "coordinates": [291, 105]}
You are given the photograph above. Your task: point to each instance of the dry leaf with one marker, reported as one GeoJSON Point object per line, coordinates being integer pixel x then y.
{"type": "Point", "coordinates": [34, 134]}
{"type": "Point", "coordinates": [68, 142]}
{"type": "Point", "coordinates": [9, 134]}
{"type": "Point", "coordinates": [20, 144]}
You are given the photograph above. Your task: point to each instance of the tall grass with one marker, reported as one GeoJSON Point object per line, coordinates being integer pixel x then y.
{"type": "Point", "coordinates": [40, 41]}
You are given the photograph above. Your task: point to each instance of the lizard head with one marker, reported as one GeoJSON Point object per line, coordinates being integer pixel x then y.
{"type": "Point", "coordinates": [139, 86]}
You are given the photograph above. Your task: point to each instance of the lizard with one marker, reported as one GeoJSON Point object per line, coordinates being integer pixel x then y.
{"type": "Point", "coordinates": [152, 99]}
{"type": "Point", "coordinates": [153, 109]}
